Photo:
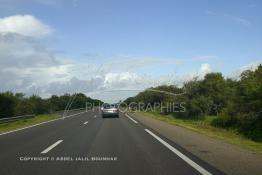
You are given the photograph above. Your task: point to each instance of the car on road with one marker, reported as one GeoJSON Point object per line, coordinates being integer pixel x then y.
{"type": "Point", "coordinates": [110, 110]}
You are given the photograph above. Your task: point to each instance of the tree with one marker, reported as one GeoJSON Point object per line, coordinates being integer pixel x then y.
{"type": "Point", "coordinates": [18, 104]}
{"type": "Point", "coordinates": [215, 88]}
{"type": "Point", "coordinates": [7, 104]}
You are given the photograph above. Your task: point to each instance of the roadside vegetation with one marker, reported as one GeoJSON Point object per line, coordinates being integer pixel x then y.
{"type": "Point", "coordinates": [235, 104]}
{"type": "Point", "coordinates": [205, 127]}
{"type": "Point", "coordinates": [13, 125]}
{"type": "Point", "coordinates": [16, 104]}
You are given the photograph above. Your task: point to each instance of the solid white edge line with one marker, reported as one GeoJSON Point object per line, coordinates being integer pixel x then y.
{"type": "Point", "coordinates": [37, 124]}
{"type": "Point", "coordinates": [85, 122]}
{"type": "Point", "coordinates": [179, 154]}
{"type": "Point", "coordinates": [131, 118]}
{"type": "Point", "coordinates": [51, 147]}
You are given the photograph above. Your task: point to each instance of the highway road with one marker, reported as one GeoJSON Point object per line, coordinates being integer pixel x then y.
{"type": "Point", "coordinates": [85, 143]}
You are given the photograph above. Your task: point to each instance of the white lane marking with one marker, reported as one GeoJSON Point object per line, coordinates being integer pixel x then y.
{"type": "Point", "coordinates": [73, 115]}
{"type": "Point", "coordinates": [179, 154]}
{"type": "Point", "coordinates": [94, 116]}
{"type": "Point", "coordinates": [29, 126]}
{"type": "Point", "coordinates": [131, 118]}
{"type": "Point", "coordinates": [85, 122]}
{"type": "Point", "coordinates": [51, 147]}
{"type": "Point", "coordinates": [38, 124]}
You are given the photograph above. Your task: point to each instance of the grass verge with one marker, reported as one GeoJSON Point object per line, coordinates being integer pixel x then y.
{"type": "Point", "coordinates": [203, 126]}
{"type": "Point", "coordinates": [5, 127]}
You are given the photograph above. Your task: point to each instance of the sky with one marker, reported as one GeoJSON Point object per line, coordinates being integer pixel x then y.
{"type": "Point", "coordinates": [112, 49]}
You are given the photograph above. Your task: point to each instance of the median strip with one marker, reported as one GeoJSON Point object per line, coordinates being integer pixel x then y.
{"type": "Point", "coordinates": [179, 154]}
{"type": "Point", "coordinates": [131, 119]}
{"type": "Point", "coordinates": [51, 147]}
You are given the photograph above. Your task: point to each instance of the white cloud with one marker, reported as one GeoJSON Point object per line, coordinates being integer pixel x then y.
{"type": "Point", "coordinates": [131, 63]}
{"type": "Point", "coordinates": [251, 66]}
{"type": "Point", "coordinates": [121, 80]}
{"type": "Point", "coordinates": [204, 69]}
{"type": "Point", "coordinates": [25, 63]}
{"type": "Point", "coordinates": [30, 67]}
{"type": "Point", "coordinates": [26, 25]}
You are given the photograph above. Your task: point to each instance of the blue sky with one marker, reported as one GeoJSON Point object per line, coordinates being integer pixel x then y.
{"type": "Point", "coordinates": [225, 35]}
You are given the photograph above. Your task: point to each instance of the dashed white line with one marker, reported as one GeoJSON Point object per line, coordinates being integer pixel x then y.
{"type": "Point", "coordinates": [179, 154]}
{"type": "Point", "coordinates": [94, 116]}
{"type": "Point", "coordinates": [51, 147]}
{"type": "Point", "coordinates": [73, 115]}
{"type": "Point", "coordinates": [131, 118]}
{"type": "Point", "coordinates": [85, 122]}
{"type": "Point", "coordinates": [39, 124]}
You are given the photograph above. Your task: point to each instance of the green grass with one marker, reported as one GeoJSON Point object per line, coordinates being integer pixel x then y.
{"type": "Point", "coordinates": [5, 127]}
{"type": "Point", "coordinates": [203, 126]}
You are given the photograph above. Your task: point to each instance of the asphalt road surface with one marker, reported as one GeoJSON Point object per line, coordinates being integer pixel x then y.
{"type": "Point", "coordinates": [86, 143]}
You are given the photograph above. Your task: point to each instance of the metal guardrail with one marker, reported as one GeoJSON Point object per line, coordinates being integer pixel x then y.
{"type": "Point", "coordinates": [9, 119]}
{"type": "Point", "coordinates": [63, 112]}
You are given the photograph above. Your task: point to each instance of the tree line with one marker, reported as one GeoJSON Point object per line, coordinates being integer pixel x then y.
{"type": "Point", "coordinates": [236, 103]}
{"type": "Point", "coordinates": [15, 104]}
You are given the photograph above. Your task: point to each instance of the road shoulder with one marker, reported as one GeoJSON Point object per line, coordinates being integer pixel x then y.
{"type": "Point", "coordinates": [226, 157]}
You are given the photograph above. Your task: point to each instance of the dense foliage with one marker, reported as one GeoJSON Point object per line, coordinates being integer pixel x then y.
{"type": "Point", "coordinates": [237, 103]}
{"type": "Point", "coordinates": [18, 104]}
